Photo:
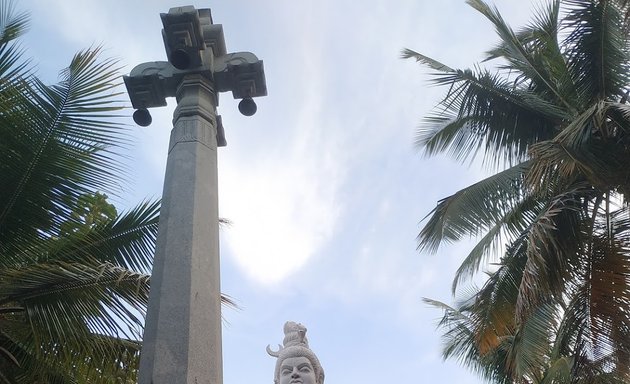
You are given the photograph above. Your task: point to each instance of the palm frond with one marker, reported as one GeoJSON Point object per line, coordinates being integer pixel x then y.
{"type": "Point", "coordinates": [553, 242]}
{"type": "Point", "coordinates": [434, 64]}
{"type": "Point", "coordinates": [529, 352]}
{"type": "Point", "coordinates": [482, 110]}
{"type": "Point", "coordinates": [61, 147]}
{"type": "Point", "coordinates": [461, 342]}
{"type": "Point", "coordinates": [106, 361]}
{"type": "Point", "coordinates": [473, 209]}
{"type": "Point", "coordinates": [596, 49]}
{"type": "Point", "coordinates": [513, 224]}
{"type": "Point", "coordinates": [128, 241]}
{"type": "Point", "coordinates": [518, 55]}
{"type": "Point", "coordinates": [12, 24]}
{"type": "Point", "coordinates": [559, 371]}
{"type": "Point", "coordinates": [540, 35]}
{"type": "Point", "coordinates": [84, 297]}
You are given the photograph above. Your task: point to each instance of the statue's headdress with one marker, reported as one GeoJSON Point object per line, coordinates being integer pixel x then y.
{"type": "Point", "coordinates": [295, 344]}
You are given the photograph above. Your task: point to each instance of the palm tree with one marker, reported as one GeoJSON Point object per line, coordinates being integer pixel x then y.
{"type": "Point", "coordinates": [70, 307]}
{"type": "Point", "coordinates": [73, 272]}
{"type": "Point", "coordinates": [553, 120]}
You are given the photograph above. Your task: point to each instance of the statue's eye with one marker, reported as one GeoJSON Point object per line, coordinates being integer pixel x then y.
{"type": "Point", "coordinates": [286, 371]}
{"type": "Point", "coordinates": [305, 369]}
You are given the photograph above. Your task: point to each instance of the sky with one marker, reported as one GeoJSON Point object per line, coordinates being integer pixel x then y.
{"type": "Point", "coordinates": [323, 185]}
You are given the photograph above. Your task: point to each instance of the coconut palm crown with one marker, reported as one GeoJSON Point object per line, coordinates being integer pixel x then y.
{"type": "Point", "coordinates": [552, 119]}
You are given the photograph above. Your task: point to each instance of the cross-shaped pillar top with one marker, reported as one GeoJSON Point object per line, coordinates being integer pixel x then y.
{"type": "Point", "coordinates": [194, 45]}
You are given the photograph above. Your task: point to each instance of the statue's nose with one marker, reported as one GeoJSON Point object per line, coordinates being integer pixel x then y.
{"type": "Point", "coordinates": [295, 372]}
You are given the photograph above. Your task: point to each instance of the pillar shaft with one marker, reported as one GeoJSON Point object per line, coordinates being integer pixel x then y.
{"type": "Point", "coordinates": [182, 339]}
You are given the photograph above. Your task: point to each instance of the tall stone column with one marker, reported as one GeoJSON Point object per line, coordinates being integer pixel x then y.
{"type": "Point", "coordinates": [182, 339]}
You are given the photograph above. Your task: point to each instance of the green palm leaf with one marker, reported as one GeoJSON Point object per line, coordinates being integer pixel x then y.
{"type": "Point", "coordinates": [513, 225]}
{"type": "Point", "coordinates": [482, 110]}
{"type": "Point", "coordinates": [597, 55]}
{"type": "Point", "coordinates": [473, 209]}
{"type": "Point", "coordinates": [518, 55]}
{"type": "Point", "coordinates": [62, 147]}
{"type": "Point", "coordinates": [127, 242]}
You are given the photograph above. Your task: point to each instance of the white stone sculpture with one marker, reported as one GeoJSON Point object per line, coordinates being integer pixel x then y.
{"type": "Point", "coordinates": [296, 361]}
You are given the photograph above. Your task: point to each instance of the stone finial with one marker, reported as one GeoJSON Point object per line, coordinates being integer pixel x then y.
{"type": "Point", "coordinates": [194, 45]}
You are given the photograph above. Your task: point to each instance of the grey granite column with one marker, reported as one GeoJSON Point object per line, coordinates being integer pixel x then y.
{"type": "Point", "coordinates": [182, 339]}
{"type": "Point", "coordinates": [182, 336]}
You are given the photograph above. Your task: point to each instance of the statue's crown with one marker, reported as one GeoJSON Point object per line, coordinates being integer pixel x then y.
{"type": "Point", "coordinates": [295, 344]}
{"type": "Point", "coordinates": [294, 334]}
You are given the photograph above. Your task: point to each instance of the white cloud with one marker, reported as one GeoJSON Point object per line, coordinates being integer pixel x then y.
{"type": "Point", "coordinates": [281, 194]}
{"type": "Point", "coordinates": [281, 213]}
{"type": "Point", "coordinates": [282, 199]}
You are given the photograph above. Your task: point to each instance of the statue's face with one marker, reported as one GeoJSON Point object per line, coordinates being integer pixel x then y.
{"type": "Point", "coordinates": [296, 370]}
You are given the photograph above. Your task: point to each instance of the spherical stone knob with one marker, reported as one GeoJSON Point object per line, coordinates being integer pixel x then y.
{"type": "Point", "coordinates": [142, 117]}
{"type": "Point", "coordinates": [247, 106]}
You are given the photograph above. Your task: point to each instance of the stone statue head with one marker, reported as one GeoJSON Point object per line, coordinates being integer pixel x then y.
{"type": "Point", "coordinates": [296, 361]}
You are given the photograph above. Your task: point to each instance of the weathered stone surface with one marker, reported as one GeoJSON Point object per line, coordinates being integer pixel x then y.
{"type": "Point", "coordinates": [182, 340]}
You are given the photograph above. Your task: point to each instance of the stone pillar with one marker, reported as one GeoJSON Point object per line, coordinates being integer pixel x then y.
{"type": "Point", "coordinates": [182, 338]}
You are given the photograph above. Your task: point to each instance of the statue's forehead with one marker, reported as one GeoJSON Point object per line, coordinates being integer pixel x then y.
{"type": "Point", "coordinates": [296, 361]}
